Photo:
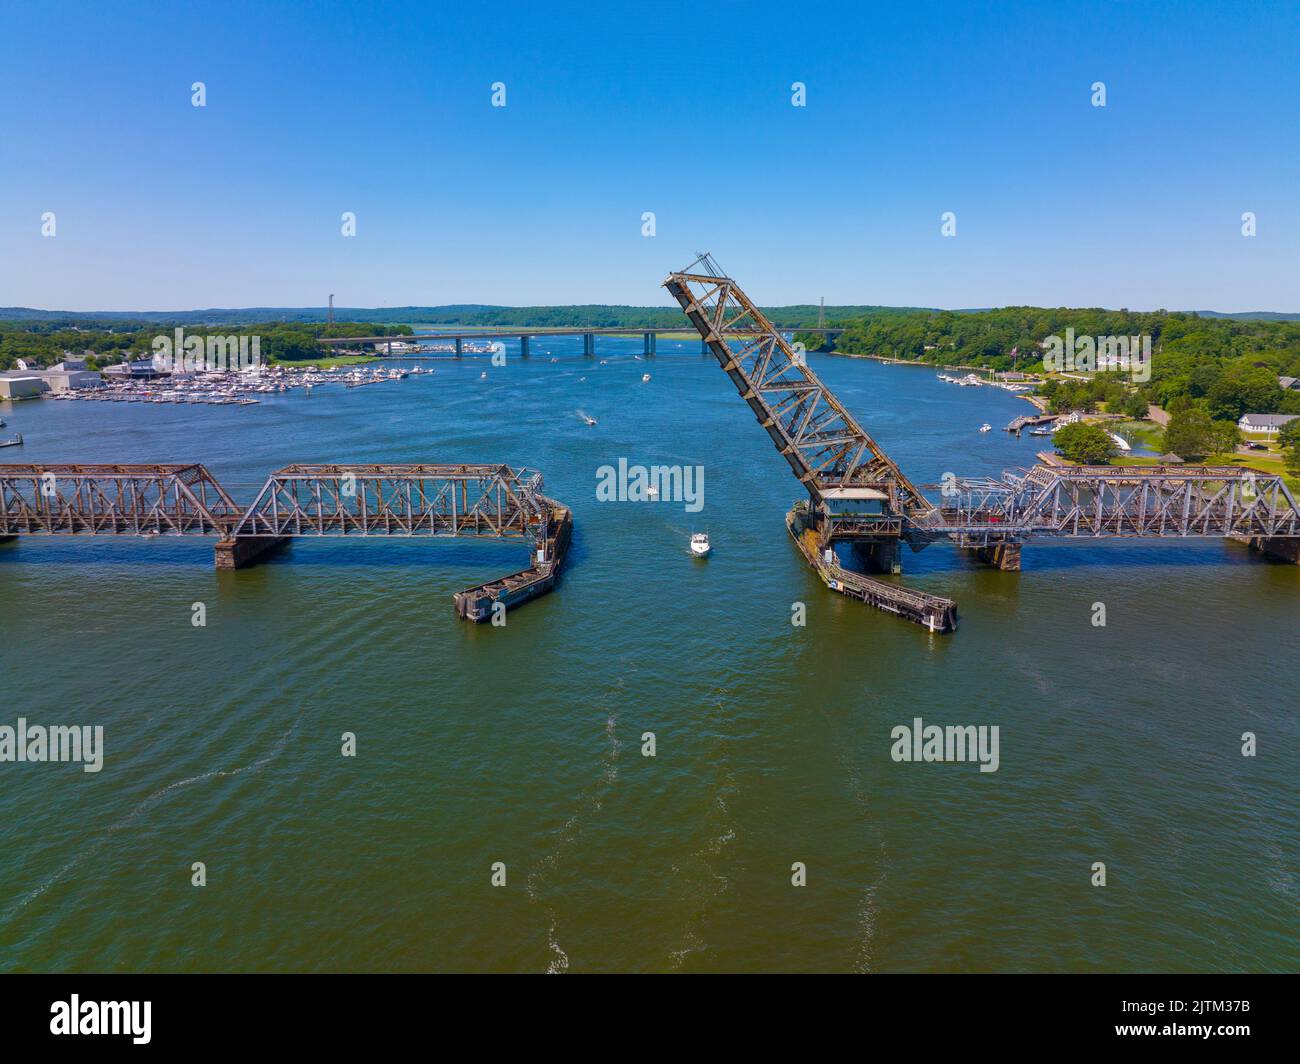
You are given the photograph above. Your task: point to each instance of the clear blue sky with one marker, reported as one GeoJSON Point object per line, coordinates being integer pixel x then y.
{"type": "Point", "coordinates": [681, 109]}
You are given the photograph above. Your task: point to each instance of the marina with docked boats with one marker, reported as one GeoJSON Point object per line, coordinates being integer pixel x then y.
{"type": "Point", "coordinates": [236, 388]}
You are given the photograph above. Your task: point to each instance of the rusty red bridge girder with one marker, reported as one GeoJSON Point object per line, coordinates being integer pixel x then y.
{"type": "Point", "coordinates": [483, 501]}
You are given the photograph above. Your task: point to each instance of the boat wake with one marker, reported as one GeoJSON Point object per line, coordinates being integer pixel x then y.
{"type": "Point", "coordinates": [143, 806]}
{"type": "Point", "coordinates": [868, 910]}
{"type": "Point", "coordinates": [707, 882]}
{"type": "Point", "coordinates": [592, 802]}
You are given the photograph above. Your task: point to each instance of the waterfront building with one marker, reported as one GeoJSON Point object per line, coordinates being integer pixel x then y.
{"type": "Point", "coordinates": [140, 369]}
{"type": "Point", "coordinates": [19, 385]}
{"type": "Point", "coordinates": [1268, 424]}
{"type": "Point", "coordinates": [26, 383]}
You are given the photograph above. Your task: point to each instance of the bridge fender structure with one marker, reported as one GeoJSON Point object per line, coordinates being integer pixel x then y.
{"type": "Point", "coordinates": [243, 551]}
{"type": "Point", "coordinates": [1283, 548]}
{"type": "Point", "coordinates": [478, 603]}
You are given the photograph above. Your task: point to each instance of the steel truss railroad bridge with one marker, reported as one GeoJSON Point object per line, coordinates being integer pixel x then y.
{"type": "Point", "coordinates": [341, 501]}
{"type": "Point", "coordinates": [857, 494]}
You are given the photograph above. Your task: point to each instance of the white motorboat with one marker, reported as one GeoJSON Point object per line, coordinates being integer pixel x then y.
{"type": "Point", "coordinates": [645, 377]}
{"type": "Point", "coordinates": [986, 427]}
{"type": "Point", "coordinates": [700, 544]}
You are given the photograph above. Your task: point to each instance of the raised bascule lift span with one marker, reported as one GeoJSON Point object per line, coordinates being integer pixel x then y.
{"type": "Point", "coordinates": [857, 494]}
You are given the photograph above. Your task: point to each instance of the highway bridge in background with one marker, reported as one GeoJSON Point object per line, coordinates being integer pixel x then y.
{"type": "Point", "coordinates": [458, 338]}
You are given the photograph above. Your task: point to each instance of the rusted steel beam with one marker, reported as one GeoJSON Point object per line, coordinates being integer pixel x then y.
{"type": "Point", "coordinates": [1104, 501]}
{"type": "Point", "coordinates": [398, 500]}
{"type": "Point", "coordinates": [830, 454]}
{"type": "Point", "coordinates": [142, 500]}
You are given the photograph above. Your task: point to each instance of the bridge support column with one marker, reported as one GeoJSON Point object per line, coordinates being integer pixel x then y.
{"type": "Point", "coordinates": [1284, 548]}
{"type": "Point", "coordinates": [1004, 556]}
{"type": "Point", "coordinates": [246, 550]}
{"type": "Point", "coordinates": [460, 347]}
{"type": "Point", "coordinates": [883, 556]}
{"type": "Point", "coordinates": [7, 539]}
{"type": "Point", "coordinates": [649, 344]}
{"type": "Point", "coordinates": [589, 345]}
{"type": "Point", "coordinates": [523, 347]}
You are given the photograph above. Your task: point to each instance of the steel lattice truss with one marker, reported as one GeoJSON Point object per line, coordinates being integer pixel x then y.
{"type": "Point", "coordinates": [113, 499]}
{"type": "Point", "coordinates": [1104, 501]}
{"type": "Point", "coordinates": [828, 450]}
{"type": "Point", "coordinates": [399, 500]}
{"type": "Point", "coordinates": [490, 501]}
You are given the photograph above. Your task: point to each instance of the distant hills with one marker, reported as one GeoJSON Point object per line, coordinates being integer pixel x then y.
{"type": "Point", "coordinates": [1251, 315]}
{"type": "Point", "coordinates": [488, 315]}
{"type": "Point", "coordinates": [461, 314]}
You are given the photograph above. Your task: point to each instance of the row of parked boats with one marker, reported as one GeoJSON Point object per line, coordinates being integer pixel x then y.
{"type": "Point", "coordinates": [234, 388]}
{"type": "Point", "coordinates": [971, 380]}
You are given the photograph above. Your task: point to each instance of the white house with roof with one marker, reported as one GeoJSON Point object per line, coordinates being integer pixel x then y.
{"type": "Point", "coordinates": [1264, 424]}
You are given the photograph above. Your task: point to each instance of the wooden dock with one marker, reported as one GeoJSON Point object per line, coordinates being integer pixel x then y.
{"type": "Point", "coordinates": [1026, 420]}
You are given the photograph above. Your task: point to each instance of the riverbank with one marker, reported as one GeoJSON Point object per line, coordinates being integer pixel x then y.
{"type": "Point", "coordinates": [328, 362]}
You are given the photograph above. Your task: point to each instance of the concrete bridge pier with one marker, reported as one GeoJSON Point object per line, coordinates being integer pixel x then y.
{"type": "Point", "coordinates": [589, 345]}
{"type": "Point", "coordinates": [244, 551]}
{"type": "Point", "coordinates": [650, 339]}
{"type": "Point", "coordinates": [523, 347]}
{"type": "Point", "coordinates": [7, 539]}
{"type": "Point", "coordinates": [1004, 556]}
{"type": "Point", "coordinates": [460, 347]}
{"type": "Point", "coordinates": [1283, 548]}
{"type": "Point", "coordinates": [882, 556]}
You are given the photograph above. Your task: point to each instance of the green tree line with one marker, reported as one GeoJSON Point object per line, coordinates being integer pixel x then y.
{"type": "Point", "coordinates": [43, 343]}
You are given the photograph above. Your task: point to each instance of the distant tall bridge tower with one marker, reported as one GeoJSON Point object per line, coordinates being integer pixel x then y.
{"type": "Point", "coordinates": [330, 317]}
{"type": "Point", "coordinates": [821, 314]}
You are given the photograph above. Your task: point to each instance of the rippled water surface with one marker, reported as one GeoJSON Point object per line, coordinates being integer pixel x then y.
{"type": "Point", "coordinates": [1119, 744]}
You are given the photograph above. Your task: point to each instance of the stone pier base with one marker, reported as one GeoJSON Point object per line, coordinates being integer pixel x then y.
{"type": "Point", "coordinates": [1284, 548]}
{"type": "Point", "coordinates": [1004, 556]}
{"type": "Point", "coordinates": [884, 556]}
{"type": "Point", "coordinates": [246, 550]}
